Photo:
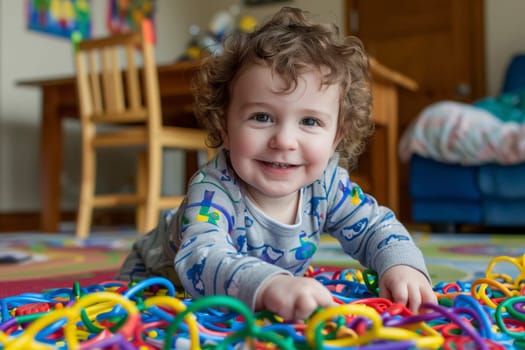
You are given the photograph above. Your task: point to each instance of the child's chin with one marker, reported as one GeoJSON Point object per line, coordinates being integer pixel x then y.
{"type": "Point", "coordinates": [276, 193]}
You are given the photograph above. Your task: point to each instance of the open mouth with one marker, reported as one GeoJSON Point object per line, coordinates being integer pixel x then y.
{"type": "Point", "coordinates": [278, 165]}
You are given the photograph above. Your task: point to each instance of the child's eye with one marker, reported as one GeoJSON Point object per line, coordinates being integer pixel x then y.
{"type": "Point", "coordinates": [310, 121]}
{"type": "Point", "coordinates": [261, 117]}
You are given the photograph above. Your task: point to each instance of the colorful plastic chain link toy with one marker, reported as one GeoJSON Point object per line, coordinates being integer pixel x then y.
{"type": "Point", "coordinates": [487, 313]}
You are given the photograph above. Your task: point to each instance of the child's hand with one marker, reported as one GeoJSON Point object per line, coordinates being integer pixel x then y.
{"type": "Point", "coordinates": [405, 285]}
{"type": "Point", "coordinates": [293, 298]}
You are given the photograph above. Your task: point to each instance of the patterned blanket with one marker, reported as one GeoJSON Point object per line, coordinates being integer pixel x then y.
{"type": "Point", "coordinates": [453, 132]}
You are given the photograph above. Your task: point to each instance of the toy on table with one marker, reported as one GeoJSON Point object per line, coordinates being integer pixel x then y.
{"type": "Point", "coordinates": [222, 24]}
{"type": "Point", "coordinates": [488, 313]}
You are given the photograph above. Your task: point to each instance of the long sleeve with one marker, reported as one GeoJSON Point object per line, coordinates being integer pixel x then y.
{"type": "Point", "coordinates": [367, 231]}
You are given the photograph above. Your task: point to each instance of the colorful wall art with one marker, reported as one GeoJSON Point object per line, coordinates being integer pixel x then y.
{"type": "Point", "coordinates": [60, 17]}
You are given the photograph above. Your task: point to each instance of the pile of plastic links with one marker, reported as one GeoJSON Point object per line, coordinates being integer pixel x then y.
{"type": "Point", "coordinates": [487, 313]}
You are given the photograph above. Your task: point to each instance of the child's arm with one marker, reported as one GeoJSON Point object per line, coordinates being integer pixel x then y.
{"type": "Point", "coordinates": [372, 234]}
{"type": "Point", "coordinates": [292, 298]}
{"type": "Point", "coordinates": [406, 285]}
{"type": "Point", "coordinates": [208, 263]}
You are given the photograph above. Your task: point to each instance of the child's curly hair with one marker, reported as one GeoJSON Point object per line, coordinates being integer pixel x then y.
{"type": "Point", "coordinates": [290, 44]}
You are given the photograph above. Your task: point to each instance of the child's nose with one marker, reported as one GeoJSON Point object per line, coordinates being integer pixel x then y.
{"type": "Point", "coordinates": [284, 137]}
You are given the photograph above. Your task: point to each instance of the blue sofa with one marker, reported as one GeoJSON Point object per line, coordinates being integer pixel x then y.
{"type": "Point", "coordinates": [445, 194]}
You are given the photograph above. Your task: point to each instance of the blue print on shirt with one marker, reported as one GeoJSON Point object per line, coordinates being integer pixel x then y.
{"type": "Point", "coordinates": [267, 253]}
{"type": "Point", "coordinates": [355, 230]}
{"type": "Point", "coordinates": [314, 205]}
{"type": "Point", "coordinates": [225, 176]}
{"type": "Point", "coordinates": [188, 242]}
{"type": "Point", "coordinates": [241, 242]}
{"type": "Point", "coordinates": [194, 274]}
{"type": "Point", "coordinates": [389, 216]}
{"type": "Point", "coordinates": [390, 238]}
{"type": "Point", "coordinates": [307, 248]}
{"type": "Point", "coordinates": [248, 221]}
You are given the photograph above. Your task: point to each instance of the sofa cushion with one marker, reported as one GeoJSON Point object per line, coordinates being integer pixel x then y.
{"type": "Point", "coordinates": [500, 181]}
{"type": "Point", "coordinates": [433, 179]}
{"type": "Point", "coordinates": [504, 212]}
{"type": "Point", "coordinates": [447, 211]}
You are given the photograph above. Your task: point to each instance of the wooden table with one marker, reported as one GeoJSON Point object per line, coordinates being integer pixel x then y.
{"type": "Point", "coordinates": [59, 101]}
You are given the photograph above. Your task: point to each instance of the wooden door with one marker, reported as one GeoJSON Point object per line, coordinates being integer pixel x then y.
{"type": "Point", "coordinates": [438, 43]}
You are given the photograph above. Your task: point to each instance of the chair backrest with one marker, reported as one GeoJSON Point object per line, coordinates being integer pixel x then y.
{"type": "Point", "coordinates": [117, 79]}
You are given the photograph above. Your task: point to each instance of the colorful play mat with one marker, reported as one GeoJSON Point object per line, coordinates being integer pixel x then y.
{"type": "Point", "coordinates": [479, 281]}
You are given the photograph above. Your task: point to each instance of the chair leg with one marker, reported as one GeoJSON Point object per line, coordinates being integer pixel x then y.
{"type": "Point", "coordinates": [154, 186]}
{"type": "Point", "coordinates": [141, 185]}
{"type": "Point", "coordinates": [87, 193]}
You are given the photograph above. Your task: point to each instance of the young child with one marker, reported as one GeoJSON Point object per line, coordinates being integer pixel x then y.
{"type": "Point", "coordinates": [284, 105]}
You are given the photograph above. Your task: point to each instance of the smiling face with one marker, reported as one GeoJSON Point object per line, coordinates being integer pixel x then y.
{"type": "Point", "coordinates": [280, 141]}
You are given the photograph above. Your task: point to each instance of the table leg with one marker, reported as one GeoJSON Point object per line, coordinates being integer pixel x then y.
{"type": "Point", "coordinates": [50, 161]}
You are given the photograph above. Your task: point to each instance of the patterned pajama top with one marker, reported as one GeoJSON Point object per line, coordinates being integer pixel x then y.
{"type": "Point", "coordinates": [219, 242]}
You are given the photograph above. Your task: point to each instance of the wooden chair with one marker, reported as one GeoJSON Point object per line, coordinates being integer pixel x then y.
{"type": "Point", "coordinates": [119, 104]}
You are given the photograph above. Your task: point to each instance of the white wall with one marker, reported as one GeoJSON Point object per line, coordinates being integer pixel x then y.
{"type": "Point", "coordinates": [505, 36]}
{"type": "Point", "coordinates": [30, 55]}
